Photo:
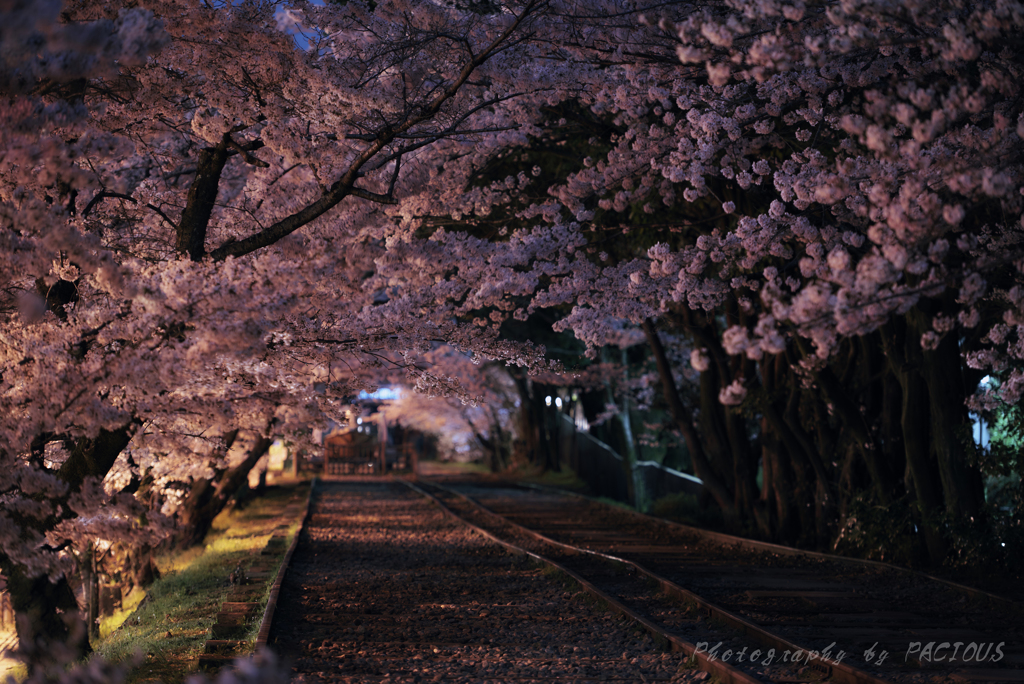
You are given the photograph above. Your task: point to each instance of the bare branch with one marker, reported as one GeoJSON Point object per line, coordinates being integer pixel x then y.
{"type": "Point", "coordinates": [372, 196]}
{"type": "Point", "coordinates": [102, 195]}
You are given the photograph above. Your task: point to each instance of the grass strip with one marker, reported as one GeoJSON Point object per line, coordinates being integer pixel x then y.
{"type": "Point", "coordinates": [170, 626]}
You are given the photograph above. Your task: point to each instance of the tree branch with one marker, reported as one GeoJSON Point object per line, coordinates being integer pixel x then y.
{"type": "Point", "coordinates": [202, 196]}
{"type": "Point", "coordinates": [102, 195]}
{"type": "Point", "coordinates": [372, 196]}
{"type": "Point", "coordinates": [345, 185]}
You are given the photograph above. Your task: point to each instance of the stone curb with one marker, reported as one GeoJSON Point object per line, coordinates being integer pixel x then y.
{"type": "Point", "coordinates": [275, 589]}
{"type": "Point", "coordinates": [238, 609]}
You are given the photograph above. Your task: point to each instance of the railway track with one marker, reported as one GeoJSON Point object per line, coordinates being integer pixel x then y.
{"type": "Point", "coordinates": [396, 581]}
{"type": "Point", "coordinates": [385, 587]}
{"type": "Point", "coordinates": [889, 625]}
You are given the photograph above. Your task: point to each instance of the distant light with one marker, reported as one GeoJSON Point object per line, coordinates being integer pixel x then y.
{"type": "Point", "coordinates": [382, 394]}
{"type": "Point", "coordinates": [1004, 543]}
{"type": "Point", "coordinates": [359, 421]}
{"type": "Point", "coordinates": [547, 400]}
{"type": "Point", "coordinates": [575, 397]}
{"type": "Point", "coordinates": [558, 402]}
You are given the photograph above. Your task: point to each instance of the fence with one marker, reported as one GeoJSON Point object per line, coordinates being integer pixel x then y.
{"type": "Point", "coordinates": [658, 481]}
{"type": "Point", "coordinates": [593, 460]}
{"type": "Point", "coordinates": [352, 459]}
{"type": "Point", "coordinates": [604, 472]}
{"type": "Point", "coordinates": [365, 458]}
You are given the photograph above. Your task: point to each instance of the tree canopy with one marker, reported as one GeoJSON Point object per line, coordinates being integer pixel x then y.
{"type": "Point", "coordinates": [225, 216]}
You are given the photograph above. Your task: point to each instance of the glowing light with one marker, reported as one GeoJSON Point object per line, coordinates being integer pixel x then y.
{"type": "Point", "coordinates": [547, 401]}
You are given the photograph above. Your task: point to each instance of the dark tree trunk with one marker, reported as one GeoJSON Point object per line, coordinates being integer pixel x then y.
{"type": "Point", "coordinates": [780, 489]}
{"type": "Point", "coordinates": [528, 444]}
{"type": "Point", "coordinates": [499, 460]}
{"type": "Point", "coordinates": [141, 566]}
{"type": "Point", "coordinates": [91, 581]}
{"type": "Point", "coordinates": [837, 397]}
{"type": "Point", "coordinates": [681, 416]}
{"type": "Point", "coordinates": [48, 614]}
{"type": "Point", "coordinates": [49, 621]}
{"type": "Point", "coordinates": [807, 480]}
{"type": "Point", "coordinates": [727, 443]}
{"type": "Point", "coordinates": [209, 497]}
{"type": "Point", "coordinates": [491, 444]}
{"type": "Point", "coordinates": [202, 196]}
{"type": "Point", "coordinates": [765, 511]}
{"type": "Point", "coordinates": [891, 425]}
{"type": "Point", "coordinates": [537, 445]}
{"type": "Point", "coordinates": [904, 358]}
{"type": "Point", "coordinates": [952, 446]}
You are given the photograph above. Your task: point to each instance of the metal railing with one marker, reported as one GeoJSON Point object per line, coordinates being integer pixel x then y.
{"type": "Point", "coordinates": [603, 470]}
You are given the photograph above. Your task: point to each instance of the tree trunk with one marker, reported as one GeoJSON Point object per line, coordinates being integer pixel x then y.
{"type": "Point", "coordinates": [723, 429]}
{"type": "Point", "coordinates": [765, 516]}
{"type": "Point", "coordinates": [92, 591]}
{"type": "Point", "coordinates": [48, 614]}
{"type": "Point", "coordinates": [209, 497]}
{"type": "Point", "coordinates": [962, 486]}
{"type": "Point", "coordinates": [141, 566]}
{"type": "Point", "coordinates": [625, 443]}
{"type": "Point", "coordinates": [836, 396]}
{"type": "Point", "coordinates": [528, 444]}
{"type": "Point", "coordinates": [498, 453]}
{"type": "Point", "coordinates": [805, 482]}
{"type": "Point", "coordinates": [50, 624]}
{"type": "Point", "coordinates": [916, 425]}
{"type": "Point", "coordinates": [681, 416]}
{"type": "Point", "coordinates": [491, 445]}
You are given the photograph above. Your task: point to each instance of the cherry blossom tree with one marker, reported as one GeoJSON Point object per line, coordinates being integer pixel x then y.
{"type": "Point", "coordinates": [192, 229]}
{"type": "Point", "coordinates": [213, 213]}
{"type": "Point", "coordinates": [825, 200]}
{"type": "Point", "coordinates": [482, 403]}
{"type": "Point", "coordinates": [858, 174]}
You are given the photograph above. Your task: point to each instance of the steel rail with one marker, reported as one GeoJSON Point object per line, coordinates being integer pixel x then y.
{"type": "Point", "coordinates": [840, 672]}
{"type": "Point", "coordinates": [773, 548]}
{"type": "Point", "coordinates": [726, 673]}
